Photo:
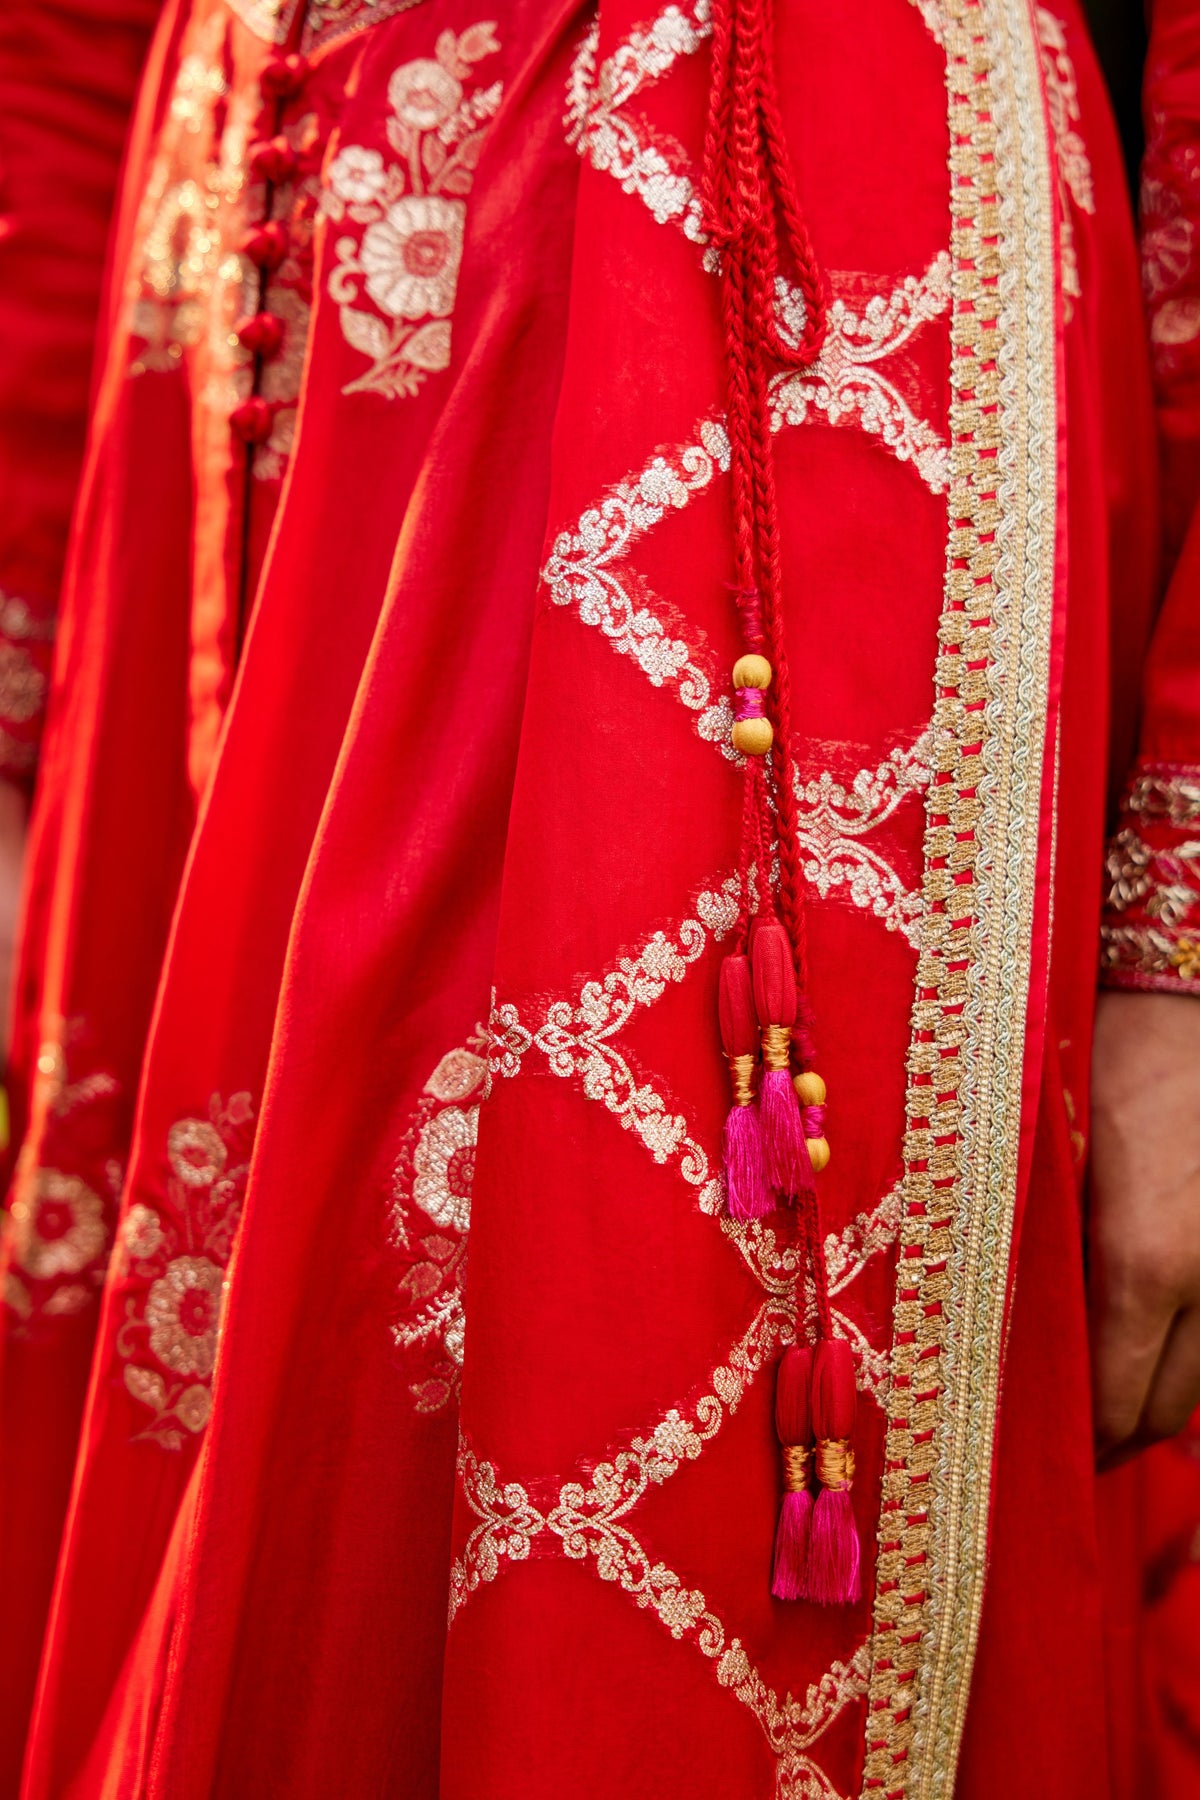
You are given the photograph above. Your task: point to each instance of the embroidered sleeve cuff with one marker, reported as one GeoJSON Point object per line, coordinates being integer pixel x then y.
{"type": "Point", "coordinates": [1150, 932]}
{"type": "Point", "coordinates": [26, 646]}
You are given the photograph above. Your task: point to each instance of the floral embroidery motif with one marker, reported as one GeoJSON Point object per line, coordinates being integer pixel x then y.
{"type": "Point", "coordinates": [582, 572]}
{"type": "Point", "coordinates": [431, 1187]}
{"type": "Point", "coordinates": [652, 168]}
{"type": "Point", "coordinates": [576, 1038]}
{"type": "Point", "coordinates": [1074, 168]}
{"type": "Point", "coordinates": [66, 1184]}
{"type": "Point", "coordinates": [846, 385]}
{"type": "Point", "coordinates": [587, 1523]}
{"type": "Point", "coordinates": [413, 211]}
{"type": "Point", "coordinates": [176, 1256]}
{"type": "Point", "coordinates": [833, 819]}
{"type": "Point", "coordinates": [1150, 936]}
{"type": "Point", "coordinates": [26, 638]}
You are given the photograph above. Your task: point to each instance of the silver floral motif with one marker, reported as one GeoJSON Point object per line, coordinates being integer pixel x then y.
{"type": "Point", "coordinates": [585, 571]}
{"type": "Point", "coordinates": [846, 383]}
{"type": "Point", "coordinates": [431, 1185]}
{"type": "Point", "coordinates": [1074, 166]}
{"type": "Point", "coordinates": [182, 1312]}
{"type": "Point", "coordinates": [176, 1254]}
{"type": "Point", "coordinates": [413, 211]}
{"type": "Point", "coordinates": [59, 1228]}
{"type": "Point", "coordinates": [620, 146]}
{"type": "Point", "coordinates": [444, 1161]}
{"type": "Point", "coordinates": [586, 1522]}
{"type": "Point", "coordinates": [577, 1039]}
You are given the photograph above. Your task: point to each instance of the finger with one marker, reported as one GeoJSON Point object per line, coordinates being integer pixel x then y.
{"type": "Point", "coordinates": [1175, 1390]}
{"type": "Point", "coordinates": [1129, 1330]}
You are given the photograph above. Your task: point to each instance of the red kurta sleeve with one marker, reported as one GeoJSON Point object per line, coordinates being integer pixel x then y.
{"type": "Point", "coordinates": [1151, 930]}
{"type": "Point", "coordinates": [68, 74]}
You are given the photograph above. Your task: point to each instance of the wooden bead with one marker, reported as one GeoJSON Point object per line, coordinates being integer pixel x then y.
{"type": "Point", "coordinates": [753, 737]}
{"type": "Point", "coordinates": [810, 1089]}
{"type": "Point", "coordinates": [818, 1153]}
{"type": "Point", "coordinates": [751, 671]}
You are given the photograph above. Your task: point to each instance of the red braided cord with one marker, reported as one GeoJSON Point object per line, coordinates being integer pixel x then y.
{"type": "Point", "coordinates": [749, 183]}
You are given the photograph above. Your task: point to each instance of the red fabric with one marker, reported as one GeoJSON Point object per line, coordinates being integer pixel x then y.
{"type": "Point", "coordinates": [68, 71]}
{"type": "Point", "coordinates": [474, 740]}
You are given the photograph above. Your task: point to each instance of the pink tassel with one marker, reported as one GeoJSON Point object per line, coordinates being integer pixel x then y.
{"type": "Point", "coordinates": [791, 1545]}
{"type": "Point", "coordinates": [793, 1422]}
{"type": "Point", "coordinates": [746, 1190]}
{"type": "Point", "coordinates": [747, 1193]}
{"type": "Point", "coordinates": [833, 1572]}
{"type": "Point", "coordinates": [832, 1576]}
{"type": "Point", "coordinates": [789, 1166]}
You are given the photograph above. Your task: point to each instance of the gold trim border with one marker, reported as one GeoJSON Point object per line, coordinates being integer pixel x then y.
{"type": "Point", "coordinates": [983, 817]}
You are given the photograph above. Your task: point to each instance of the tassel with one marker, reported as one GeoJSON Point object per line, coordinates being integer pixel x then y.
{"type": "Point", "coordinates": [747, 1193]}
{"type": "Point", "coordinates": [793, 1422]}
{"type": "Point", "coordinates": [789, 1167]}
{"type": "Point", "coordinates": [832, 1576]}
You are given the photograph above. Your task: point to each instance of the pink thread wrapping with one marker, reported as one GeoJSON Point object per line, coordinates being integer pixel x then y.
{"type": "Point", "coordinates": [814, 1121]}
{"type": "Point", "coordinates": [749, 605]}
{"type": "Point", "coordinates": [751, 703]}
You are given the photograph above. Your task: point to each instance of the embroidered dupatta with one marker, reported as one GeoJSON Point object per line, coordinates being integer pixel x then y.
{"type": "Point", "coordinates": [515, 773]}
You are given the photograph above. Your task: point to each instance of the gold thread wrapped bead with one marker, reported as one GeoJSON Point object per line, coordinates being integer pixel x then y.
{"type": "Point", "coordinates": [818, 1153]}
{"type": "Point", "coordinates": [751, 671]}
{"type": "Point", "coordinates": [753, 737]}
{"type": "Point", "coordinates": [810, 1089]}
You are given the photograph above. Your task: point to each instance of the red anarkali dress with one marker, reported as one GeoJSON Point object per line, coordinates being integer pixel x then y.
{"type": "Point", "coordinates": [385, 861]}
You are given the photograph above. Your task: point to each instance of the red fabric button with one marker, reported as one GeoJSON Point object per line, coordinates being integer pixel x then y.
{"type": "Point", "coordinates": [266, 245]}
{"type": "Point", "coordinates": [261, 333]}
{"type": "Point", "coordinates": [273, 159]}
{"type": "Point", "coordinates": [252, 420]}
{"type": "Point", "coordinates": [283, 75]}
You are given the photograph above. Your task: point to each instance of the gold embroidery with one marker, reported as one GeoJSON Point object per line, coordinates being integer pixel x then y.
{"type": "Point", "coordinates": [22, 684]}
{"type": "Point", "coordinates": [66, 1182]}
{"type": "Point", "coordinates": [407, 257]}
{"type": "Point", "coordinates": [1074, 168]}
{"type": "Point", "coordinates": [1153, 869]}
{"type": "Point", "coordinates": [981, 855]}
{"type": "Point", "coordinates": [192, 283]}
{"type": "Point", "coordinates": [431, 1186]}
{"type": "Point", "coordinates": [173, 1280]}
{"type": "Point", "coordinates": [587, 1523]}
{"type": "Point", "coordinates": [58, 1225]}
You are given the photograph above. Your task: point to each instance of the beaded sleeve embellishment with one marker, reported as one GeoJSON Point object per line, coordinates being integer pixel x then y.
{"type": "Point", "coordinates": [1150, 934]}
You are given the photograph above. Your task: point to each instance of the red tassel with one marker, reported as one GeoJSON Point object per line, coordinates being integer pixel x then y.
{"type": "Point", "coordinates": [746, 1190]}
{"type": "Point", "coordinates": [793, 1422]}
{"type": "Point", "coordinates": [789, 1166]}
{"type": "Point", "coordinates": [833, 1571]}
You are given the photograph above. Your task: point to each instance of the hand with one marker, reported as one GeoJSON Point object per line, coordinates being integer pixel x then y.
{"type": "Point", "coordinates": [1144, 1225]}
